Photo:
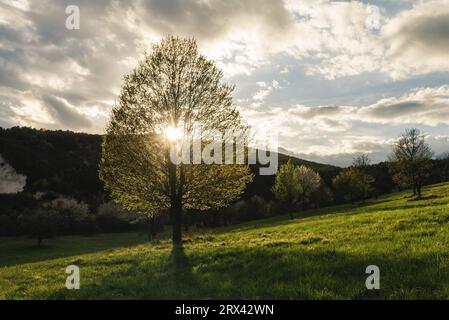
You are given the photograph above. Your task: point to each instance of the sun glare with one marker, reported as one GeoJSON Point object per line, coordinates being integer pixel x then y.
{"type": "Point", "coordinates": [173, 133]}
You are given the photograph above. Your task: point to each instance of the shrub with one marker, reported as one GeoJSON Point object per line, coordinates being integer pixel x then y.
{"type": "Point", "coordinates": [257, 208]}
{"type": "Point", "coordinates": [353, 184]}
{"type": "Point", "coordinates": [287, 188]}
{"type": "Point", "coordinates": [8, 225]}
{"type": "Point", "coordinates": [41, 224]}
{"type": "Point", "coordinates": [73, 216]}
{"type": "Point", "coordinates": [112, 217]}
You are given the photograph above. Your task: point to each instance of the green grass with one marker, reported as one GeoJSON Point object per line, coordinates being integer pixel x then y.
{"type": "Point", "coordinates": [321, 256]}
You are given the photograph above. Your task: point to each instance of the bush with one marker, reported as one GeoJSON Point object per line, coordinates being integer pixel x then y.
{"type": "Point", "coordinates": [40, 225]}
{"type": "Point", "coordinates": [112, 217]}
{"type": "Point", "coordinates": [154, 225]}
{"type": "Point", "coordinates": [322, 197]}
{"type": "Point", "coordinates": [8, 225]}
{"type": "Point", "coordinates": [73, 216]}
{"type": "Point", "coordinates": [353, 184]}
{"type": "Point", "coordinates": [252, 209]}
{"type": "Point", "coordinates": [257, 208]}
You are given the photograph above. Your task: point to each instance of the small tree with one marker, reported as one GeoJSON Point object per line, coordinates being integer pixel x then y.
{"type": "Point", "coordinates": [353, 184]}
{"type": "Point", "coordinates": [364, 181]}
{"type": "Point", "coordinates": [257, 207]}
{"type": "Point", "coordinates": [41, 224]}
{"type": "Point", "coordinates": [73, 215]}
{"type": "Point", "coordinates": [410, 161]}
{"type": "Point", "coordinates": [310, 181]}
{"type": "Point", "coordinates": [287, 188]}
{"type": "Point", "coordinates": [112, 217]}
{"type": "Point", "coordinates": [362, 162]}
{"type": "Point", "coordinates": [343, 185]}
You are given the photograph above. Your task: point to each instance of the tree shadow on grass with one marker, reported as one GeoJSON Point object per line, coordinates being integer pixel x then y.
{"type": "Point", "coordinates": [181, 267]}
{"type": "Point", "coordinates": [424, 198]}
{"type": "Point", "coordinates": [281, 272]}
{"type": "Point", "coordinates": [16, 251]}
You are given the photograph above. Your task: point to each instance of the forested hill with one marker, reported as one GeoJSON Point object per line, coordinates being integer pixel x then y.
{"type": "Point", "coordinates": [67, 162]}
{"type": "Point", "coordinates": [60, 161]}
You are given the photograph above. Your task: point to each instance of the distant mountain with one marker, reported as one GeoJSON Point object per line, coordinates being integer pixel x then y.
{"type": "Point", "coordinates": [286, 154]}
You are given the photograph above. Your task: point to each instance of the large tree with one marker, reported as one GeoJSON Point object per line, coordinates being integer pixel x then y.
{"type": "Point", "coordinates": [410, 161]}
{"type": "Point", "coordinates": [172, 91]}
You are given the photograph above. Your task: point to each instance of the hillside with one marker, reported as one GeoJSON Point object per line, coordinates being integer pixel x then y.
{"type": "Point", "coordinates": [67, 162]}
{"type": "Point", "coordinates": [321, 256]}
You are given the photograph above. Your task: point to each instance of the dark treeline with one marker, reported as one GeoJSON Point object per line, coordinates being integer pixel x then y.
{"type": "Point", "coordinates": [62, 186]}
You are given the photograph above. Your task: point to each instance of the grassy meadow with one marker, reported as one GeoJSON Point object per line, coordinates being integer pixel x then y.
{"type": "Point", "coordinates": [322, 254]}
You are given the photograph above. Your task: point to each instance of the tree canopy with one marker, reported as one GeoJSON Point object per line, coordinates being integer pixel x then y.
{"type": "Point", "coordinates": [287, 188]}
{"type": "Point", "coordinates": [410, 160]}
{"type": "Point", "coordinates": [172, 87]}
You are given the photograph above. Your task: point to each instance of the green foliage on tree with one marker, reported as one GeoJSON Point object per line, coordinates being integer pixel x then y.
{"type": "Point", "coordinates": [410, 161]}
{"type": "Point", "coordinates": [173, 86]}
{"type": "Point", "coordinates": [366, 181]}
{"type": "Point", "coordinates": [287, 188]}
{"type": "Point", "coordinates": [353, 184]}
{"type": "Point", "coordinates": [310, 182]}
{"type": "Point", "coordinates": [294, 186]}
{"type": "Point", "coordinates": [73, 216]}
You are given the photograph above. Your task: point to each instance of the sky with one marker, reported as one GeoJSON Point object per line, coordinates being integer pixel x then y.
{"type": "Point", "coordinates": [333, 78]}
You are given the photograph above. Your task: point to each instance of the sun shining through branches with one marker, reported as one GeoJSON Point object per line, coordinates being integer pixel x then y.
{"type": "Point", "coordinates": [166, 95]}
{"type": "Point", "coordinates": [173, 134]}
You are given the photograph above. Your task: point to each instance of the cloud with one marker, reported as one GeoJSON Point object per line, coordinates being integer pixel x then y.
{"type": "Point", "coordinates": [417, 40]}
{"type": "Point", "coordinates": [414, 42]}
{"type": "Point", "coordinates": [40, 58]}
{"type": "Point", "coordinates": [425, 106]}
{"type": "Point", "coordinates": [325, 131]}
{"type": "Point", "coordinates": [42, 110]}
{"type": "Point", "coordinates": [65, 114]}
{"type": "Point", "coordinates": [421, 106]}
{"type": "Point", "coordinates": [265, 91]}
{"type": "Point", "coordinates": [52, 77]}
{"type": "Point", "coordinates": [55, 78]}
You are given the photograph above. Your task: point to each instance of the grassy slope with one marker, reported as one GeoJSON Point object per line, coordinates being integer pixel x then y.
{"type": "Point", "coordinates": [321, 256]}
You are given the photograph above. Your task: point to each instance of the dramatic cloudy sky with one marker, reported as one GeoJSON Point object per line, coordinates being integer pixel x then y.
{"type": "Point", "coordinates": [335, 78]}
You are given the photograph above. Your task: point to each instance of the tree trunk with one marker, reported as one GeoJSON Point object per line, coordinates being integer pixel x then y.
{"type": "Point", "coordinates": [175, 204]}
{"type": "Point", "coordinates": [177, 224]}
{"type": "Point", "coordinates": [152, 229]}
{"type": "Point", "coordinates": [175, 200]}
{"type": "Point", "coordinates": [225, 220]}
{"type": "Point", "coordinates": [39, 241]}
{"type": "Point", "coordinates": [418, 190]}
